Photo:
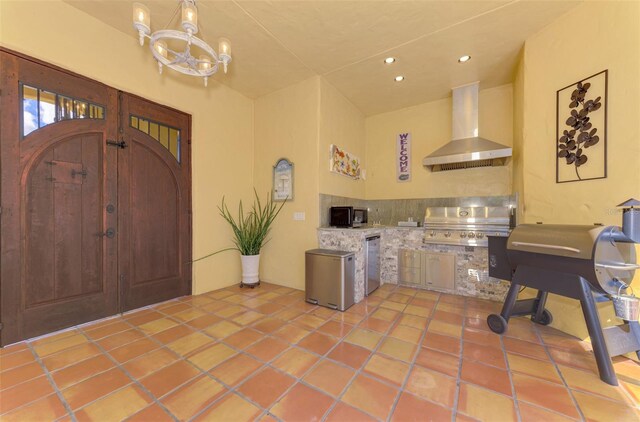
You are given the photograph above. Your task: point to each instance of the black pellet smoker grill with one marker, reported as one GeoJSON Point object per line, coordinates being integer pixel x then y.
{"type": "Point", "coordinates": [589, 263]}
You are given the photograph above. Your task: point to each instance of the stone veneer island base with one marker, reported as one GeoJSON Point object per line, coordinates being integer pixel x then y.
{"type": "Point", "coordinates": [471, 262]}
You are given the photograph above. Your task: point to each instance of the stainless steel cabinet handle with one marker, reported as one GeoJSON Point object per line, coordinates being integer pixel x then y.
{"type": "Point", "coordinates": [545, 246]}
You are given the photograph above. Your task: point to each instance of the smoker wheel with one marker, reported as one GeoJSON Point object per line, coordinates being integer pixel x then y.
{"type": "Point", "coordinates": [546, 318]}
{"type": "Point", "coordinates": [497, 323]}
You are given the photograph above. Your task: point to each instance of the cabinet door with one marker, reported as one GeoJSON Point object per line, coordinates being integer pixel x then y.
{"type": "Point", "coordinates": [409, 258]}
{"type": "Point", "coordinates": [439, 270]}
{"type": "Point", "coordinates": [410, 276]}
{"type": "Point", "coordinates": [409, 267]}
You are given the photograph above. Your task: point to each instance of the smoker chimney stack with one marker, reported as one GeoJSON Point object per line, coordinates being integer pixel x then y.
{"type": "Point", "coordinates": [631, 219]}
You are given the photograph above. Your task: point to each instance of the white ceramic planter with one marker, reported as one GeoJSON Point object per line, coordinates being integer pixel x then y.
{"type": "Point", "coordinates": [250, 269]}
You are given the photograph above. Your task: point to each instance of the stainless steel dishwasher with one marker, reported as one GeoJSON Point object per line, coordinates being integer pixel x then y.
{"type": "Point", "coordinates": [329, 278]}
{"type": "Point", "coordinates": [372, 266]}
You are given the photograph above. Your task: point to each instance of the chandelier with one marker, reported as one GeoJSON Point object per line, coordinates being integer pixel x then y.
{"type": "Point", "coordinates": [173, 48]}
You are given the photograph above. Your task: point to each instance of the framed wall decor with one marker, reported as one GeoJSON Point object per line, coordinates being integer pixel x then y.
{"type": "Point", "coordinates": [581, 129]}
{"type": "Point", "coordinates": [344, 163]}
{"type": "Point", "coordinates": [283, 180]}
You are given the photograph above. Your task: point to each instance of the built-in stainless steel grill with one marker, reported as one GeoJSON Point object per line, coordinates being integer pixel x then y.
{"type": "Point", "coordinates": [469, 226]}
{"type": "Point", "coordinates": [574, 261]}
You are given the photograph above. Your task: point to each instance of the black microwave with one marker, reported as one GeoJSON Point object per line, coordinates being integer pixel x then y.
{"type": "Point", "coordinates": [348, 217]}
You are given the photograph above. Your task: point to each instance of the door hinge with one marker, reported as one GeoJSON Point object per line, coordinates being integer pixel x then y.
{"type": "Point", "coordinates": [121, 144]}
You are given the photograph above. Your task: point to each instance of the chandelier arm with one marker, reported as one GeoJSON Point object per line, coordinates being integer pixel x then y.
{"type": "Point", "coordinates": [195, 69]}
{"type": "Point", "coordinates": [177, 60]}
{"type": "Point", "coordinates": [172, 52]}
{"type": "Point", "coordinates": [184, 57]}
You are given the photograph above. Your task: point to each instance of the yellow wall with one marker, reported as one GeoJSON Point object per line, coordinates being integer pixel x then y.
{"type": "Point", "coordinates": [222, 140]}
{"type": "Point", "coordinates": [612, 41]}
{"type": "Point", "coordinates": [430, 127]}
{"type": "Point", "coordinates": [518, 135]}
{"type": "Point", "coordinates": [287, 125]}
{"type": "Point", "coordinates": [300, 122]}
{"type": "Point", "coordinates": [342, 124]}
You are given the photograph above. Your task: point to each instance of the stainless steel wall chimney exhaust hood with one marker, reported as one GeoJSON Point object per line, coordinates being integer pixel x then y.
{"type": "Point", "coordinates": [466, 149]}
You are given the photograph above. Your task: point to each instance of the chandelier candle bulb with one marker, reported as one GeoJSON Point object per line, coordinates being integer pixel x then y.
{"type": "Point", "coordinates": [224, 47]}
{"type": "Point", "coordinates": [141, 20]}
{"type": "Point", "coordinates": [161, 47]}
{"type": "Point", "coordinates": [204, 62]}
{"type": "Point", "coordinates": [190, 17]}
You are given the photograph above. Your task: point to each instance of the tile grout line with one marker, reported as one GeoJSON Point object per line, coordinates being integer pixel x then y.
{"type": "Point", "coordinates": [360, 371]}
{"type": "Point", "coordinates": [80, 330]}
{"type": "Point", "coordinates": [132, 378]}
{"type": "Point", "coordinates": [162, 346]}
{"type": "Point", "coordinates": [299, 380]}
{"type": "Point", "coordinates": [510, 375]}
{"type": "Point", "coordinates": [566, 385]}
{"type": "Point", "coordinates": [374, 351]}
{"type": "Point", "coordinates": [53, 384]}
{"type": "Point", "coordinates": [412, 364]}
{"type": "Point", "coordinates": [456, 397]}
{"type": "Point", "coordinates": [267, 364]}
{"type": "Point", "coordinates": [85, 328]}
{"type": "Point", "coordinates": [231, 390]}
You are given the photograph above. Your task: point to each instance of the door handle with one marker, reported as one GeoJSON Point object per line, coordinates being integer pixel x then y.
{"type": "Point", "coordinates": [110, 233]}
{"type": "Point", "coordinates": [121, 144]}
{"type": "Point", "coordinates": [83, 173]}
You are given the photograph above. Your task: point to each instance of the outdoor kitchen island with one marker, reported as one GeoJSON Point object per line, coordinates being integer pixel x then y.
{"type": "Point", "coordinates": [470, 263]}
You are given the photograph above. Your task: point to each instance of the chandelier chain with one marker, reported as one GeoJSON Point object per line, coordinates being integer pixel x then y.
{"type": "Point", "coordinates": [175, 13]}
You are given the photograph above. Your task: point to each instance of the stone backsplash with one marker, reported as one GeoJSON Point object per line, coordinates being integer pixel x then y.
{"type": "Point", "coordinates": [388, 212]}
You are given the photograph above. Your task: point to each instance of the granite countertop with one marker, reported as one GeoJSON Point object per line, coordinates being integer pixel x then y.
{"type": "Point", "coordinates": [369, 228]}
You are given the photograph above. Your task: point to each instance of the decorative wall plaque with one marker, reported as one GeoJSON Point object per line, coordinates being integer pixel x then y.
{"type": "Point", "coordinates": [403, 157]}
{"type": "Point", "coordinates": [581, 130]}
{"type": "Point", "coordinates": [283, 180]}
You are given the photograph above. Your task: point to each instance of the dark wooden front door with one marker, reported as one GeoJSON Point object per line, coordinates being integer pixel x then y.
{"type": "Point", "coordinates": [154, 196]}
{"type": "Point", "coordinates": [88, 229]}
{"type": "Point", "coordinates": [57, 267]}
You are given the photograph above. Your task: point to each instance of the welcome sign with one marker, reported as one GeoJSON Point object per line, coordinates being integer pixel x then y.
{"type": "Point", "coordinates": [403, 157]}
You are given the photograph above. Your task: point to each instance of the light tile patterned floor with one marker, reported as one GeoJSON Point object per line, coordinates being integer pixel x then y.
{"type": "Point", "coordinates": [264, 354]}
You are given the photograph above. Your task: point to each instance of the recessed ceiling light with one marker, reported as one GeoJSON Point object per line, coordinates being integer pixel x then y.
{"type": "Point", "coordinates": [464, 59]}
{"type": "Point", "coordinates": [389, 60]}
{"type": "Point", "coordinates": [399, 78]}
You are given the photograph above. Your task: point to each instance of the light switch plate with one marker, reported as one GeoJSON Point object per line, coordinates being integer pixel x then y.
{"type": "Point", "coordinates": [298, 216]}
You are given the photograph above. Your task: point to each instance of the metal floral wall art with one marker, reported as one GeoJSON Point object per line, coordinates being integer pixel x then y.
{"type": "Point", "coordinates": [581, 129]}
{"type": "Point", "coordinates": [345, 163]}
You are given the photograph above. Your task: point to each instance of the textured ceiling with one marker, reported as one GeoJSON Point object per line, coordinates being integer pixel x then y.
{"type": "Point", "coordinates": [279, 43]}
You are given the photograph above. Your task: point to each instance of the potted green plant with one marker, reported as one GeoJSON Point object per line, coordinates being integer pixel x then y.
{"type": "Point", "coordinates": [250, 232]}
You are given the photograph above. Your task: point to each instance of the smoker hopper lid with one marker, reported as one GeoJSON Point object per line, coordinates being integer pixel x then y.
{"type": "Point", "coordinates": [570, 241]}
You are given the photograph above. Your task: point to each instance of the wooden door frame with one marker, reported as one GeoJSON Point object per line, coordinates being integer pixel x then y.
{"type": "Point", "coordinates": [8, 200]}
